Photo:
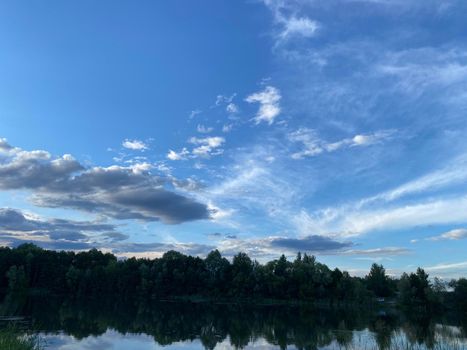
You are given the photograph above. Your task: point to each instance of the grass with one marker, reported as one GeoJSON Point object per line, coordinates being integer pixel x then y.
{"type": "Point", "coordinates": [10, 339]}
{"type": "Point", "coordinates": [399, 342]}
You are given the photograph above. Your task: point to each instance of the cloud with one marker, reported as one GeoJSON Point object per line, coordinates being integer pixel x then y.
{"type": "Point", "coordinates": [4, 145]}
{"type": "Point", "coordinates": [314, 145]}
{"type": "Point", "coordinates": [114, 236]}
{"type": "Point", "coordinates": [217, 235]}
{"type": "Point", "coordinates": [454, 173]}
{"type": "Point", "coordinates": [224, 100]}
{"type": "Point", "coordinates": [298, 26]}
{"type": "Point", "coordinates": [291, 26]}
{"type": "Point", "coordinates": [182, 155]}
{"type": "Point", "coordinates": [269, 107]}
{"type": "Point", "coordinates": [35, 169]}
{"type": "Point", "coordinates": [203, 129]}
{"type": "Point", "coordinates": [313, 243]}
{"type": "Point", "coordinates": [232, 108]}
{"type": "Point", "coordinates": [227, 128]}
{"type": "Point", "coordinates": [194, 113]}
{"type": "Point", "coordinates": [453, 235]}
{"type": "Point", "coordinates": [135, 145]}
{"type": "Point", "coordinates": [385, 251]}
{"type": "Point", "coordinates": [208, 146]}
{"type": "Point", "coordinates": [158, 249]}
{"type": "Point", "coordinates": [142, 202]}
{"type": "Point", "coordinates": [273, 246]}
{"type": "Point", "coordinates": [349, 220]}
{"type": "Point", "coordinates": [451, 270]}
{"type": "Point", "coordinates": [116, 191]}
{"type": "Point", "coordinates": [17, 227]}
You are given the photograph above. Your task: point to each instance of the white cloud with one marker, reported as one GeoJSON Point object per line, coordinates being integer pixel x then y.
{"type": "Point", "coordinates": [231, 108]}
{"type": "Point", "coordinates": [452, 270]}
{"type": "Point", "coordinates": [455, 234]}
{"type": "Point", "coordinates": [225, 100]}
{"type": "Point", "coordinates": [268, 100]}
{"type": "Point", "coordinates": [290, 25]}
{"type": "Point", "coordinates": [299, 26]}
{"type": "Point", "coordinates": [139, 168]}
{"type": "Point", "coordinates": [182, 155]}
{"type": "Point", "coordinates": [314, 145]}
{"type": "Point", "coordinates": [135, 145]}
{"type": "Point", "coordinates": [227, 128]}
{"type": "Point", "coordinates": [194, 113]}
{"type": "Point", "coordinates": [454, 173]}
{"type": "Point", "coordinates": [203, 129]}
{"type": "Point", "coordinates": [385, 251]}
{"type": "Point", "coordinates": [208, 146]}
{"type": "Point", "coordinates": [350, 220]}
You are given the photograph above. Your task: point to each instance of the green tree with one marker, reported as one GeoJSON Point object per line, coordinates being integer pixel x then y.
{"type": "Point", "coordinates": [17, 281]}
{"type": "Point", "coordinates": [378, 282]}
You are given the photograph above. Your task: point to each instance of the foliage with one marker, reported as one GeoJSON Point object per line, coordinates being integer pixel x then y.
{"type": "Point", "coordinates": [416, 290]}
{"type": "Point", "coordinates": [29, 268]}
{"type": "Point", "coordinates": [378, 282]}
{"type": "Point", "coordinates": [10, 339]}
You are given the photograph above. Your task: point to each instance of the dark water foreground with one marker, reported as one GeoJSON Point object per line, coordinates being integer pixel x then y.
{"type": "Point", "coordinates": [106, 324]}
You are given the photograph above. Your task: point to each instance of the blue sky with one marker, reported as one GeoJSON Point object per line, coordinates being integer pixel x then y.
{"type": "Point", "coordinates": [335, 128]}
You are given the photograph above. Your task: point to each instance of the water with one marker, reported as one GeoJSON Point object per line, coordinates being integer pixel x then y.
{"type": "Point", "coordinates": [105, 324]}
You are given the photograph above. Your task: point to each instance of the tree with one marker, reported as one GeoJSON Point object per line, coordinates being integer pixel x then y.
{"type": "Point", "coordinates": [378, 282]}
{"type": "Point", "coordinates": [217, 272]}
{"type": "Point", "coordinates": [242, 270]}
{"type": "Point", "coordinates": [416, 290]}
{"type": "Point", "coordinates": [460, 293]}
{"type": "Point", "coordinates": [17, 280]}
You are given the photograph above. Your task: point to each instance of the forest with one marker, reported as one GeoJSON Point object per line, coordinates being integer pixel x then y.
{"type": "Point", "coordinates": [29, 270]}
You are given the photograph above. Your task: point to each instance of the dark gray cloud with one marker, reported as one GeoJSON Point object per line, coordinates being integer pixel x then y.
{"type": "Point", "coordinates": [15, 220]}
{"type": "Point", "coordinates": [215, 234]}
{"type": "Point", "coordinates": [56, 245]}
{"type": "Point", "coordinates": [271, 247]}
{"type": "Point", "coordinates": [222, 235]}
{"type": "Point", "coordinates": [117, 192]}
{"type": "Point", "coordinates": [17, 228]}
{"type": "Point", "coordinates": [4, 145]}
{"type": "Point", "coordinates": [115, 236]}
{"type": "Point", "coordinates": [160, 248]}
{"type": "Point", "coordinates": [313, 243]}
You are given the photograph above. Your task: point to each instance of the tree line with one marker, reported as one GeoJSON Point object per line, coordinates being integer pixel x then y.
{"type": "Point", "coordinates": [28, 269]}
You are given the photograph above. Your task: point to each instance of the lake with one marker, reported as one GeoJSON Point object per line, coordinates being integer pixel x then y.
{"type": "Point", "coordinates": [106, 324]}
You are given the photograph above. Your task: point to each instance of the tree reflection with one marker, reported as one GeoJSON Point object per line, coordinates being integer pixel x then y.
{"type": "Point", "coordinates": [169, 322]}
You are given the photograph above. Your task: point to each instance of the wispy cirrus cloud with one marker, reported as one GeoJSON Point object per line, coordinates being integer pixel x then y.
{"type": "Point", "coordinates": [347, 221]}
{"type": "Point", "coordinates": [289, 23]}
{"type": "Point", "coordinates": [313, 145]}
{"type": "Point", "coordinates": [452, 235]}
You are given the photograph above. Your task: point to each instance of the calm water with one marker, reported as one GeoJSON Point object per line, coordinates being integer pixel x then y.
{"type": "Point", "coordinates": [111, 325]}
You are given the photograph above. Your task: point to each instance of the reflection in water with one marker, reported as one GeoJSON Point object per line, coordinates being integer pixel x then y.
{"type": "Point", "coordinates": [112, 325]}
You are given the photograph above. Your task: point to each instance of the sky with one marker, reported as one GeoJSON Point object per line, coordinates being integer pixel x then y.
{"type": "Point", "coordinates": [335, 128]}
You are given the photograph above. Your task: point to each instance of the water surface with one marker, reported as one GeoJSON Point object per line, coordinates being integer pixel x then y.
{"type": "Point", "coordinates": [106, 324]}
